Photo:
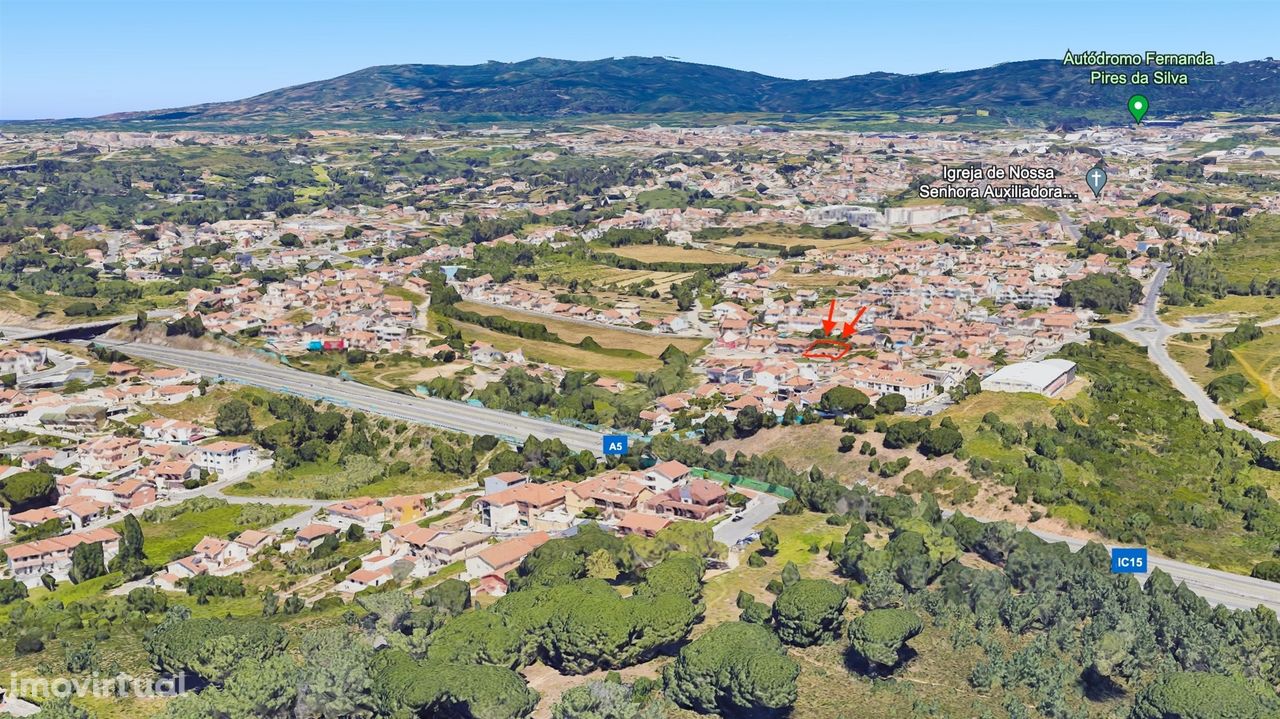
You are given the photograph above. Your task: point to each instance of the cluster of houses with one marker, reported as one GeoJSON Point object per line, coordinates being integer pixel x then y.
{"type": "Point", "coordinates": [216, 557]}
{"type": "Point", "coordinates": [98, 471]}
{"type": "Point", "coordinates": [28, 562]}
{"type": "Point", "coordinates": [111, 474]}
{"type": "Point", "coordinates": [508, 519]}
{"type": "Point", "coordinates": [321, 309]}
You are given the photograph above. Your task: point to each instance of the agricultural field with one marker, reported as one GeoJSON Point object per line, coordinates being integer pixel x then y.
{"type": "Point", "coordinates": [607, 337]}
{"type": "Point", "coordinates": [605, 276]}
{"type": "Point", "coordinates": [674, 253]}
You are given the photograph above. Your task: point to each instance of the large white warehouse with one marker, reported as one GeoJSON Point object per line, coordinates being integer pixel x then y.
{"type": "Point", "coordinates": [1047, 377]}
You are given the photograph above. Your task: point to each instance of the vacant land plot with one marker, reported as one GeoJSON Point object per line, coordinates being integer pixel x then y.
{"type": "Point", "coordinates": [673, 253]}
{"type": "Point", "coordinates": [784, 240]}
{"type": "Point", "coordinates": [606, 276]}
{"type": "Point", "coordinates": [567, 356]}
{"type": "Point", "coordinates": [1257, 362]}
{"type": "Point", "coordinates": [607, 337]}
{"type": "Point", "coordinates": [1229, 310]}
{"type": "Point", "coordinates": [1255, 255]}
{"type": "Point", "coordinates": [814, 280]}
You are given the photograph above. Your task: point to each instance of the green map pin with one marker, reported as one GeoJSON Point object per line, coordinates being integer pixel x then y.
{"type": "Point", "coordinates": [1138, 107]}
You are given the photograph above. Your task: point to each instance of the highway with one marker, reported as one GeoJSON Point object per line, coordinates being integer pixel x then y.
{"type": "Point", "coordinates": [1234, 591]}
{"type": "Point", "coordinates": [454, 416]}
{"type": "Point", "coordinates": [1151, 332]}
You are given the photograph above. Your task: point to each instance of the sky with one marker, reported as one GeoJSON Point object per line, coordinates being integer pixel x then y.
{"type": "Point", "coordinates": [77, 58]}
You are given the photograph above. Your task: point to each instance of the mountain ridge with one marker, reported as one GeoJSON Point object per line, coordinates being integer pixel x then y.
{"type": "Point", "coordinates": [550, 88]}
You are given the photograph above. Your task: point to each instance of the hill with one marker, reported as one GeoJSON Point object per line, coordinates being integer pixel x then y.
{"type": "Point", "coordinates": [549, 88]}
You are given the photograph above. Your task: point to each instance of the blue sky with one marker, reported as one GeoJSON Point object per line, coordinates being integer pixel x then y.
{"type": "Point", "coordinates": [69, 58]}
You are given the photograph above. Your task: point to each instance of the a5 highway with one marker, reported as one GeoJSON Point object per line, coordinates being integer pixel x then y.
{"type": "Point", "coordinates": [435, 412]}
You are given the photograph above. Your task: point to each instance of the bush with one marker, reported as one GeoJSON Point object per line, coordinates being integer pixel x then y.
{"type": "Point", "coordinates": [735, 669]}
{"type": "Point", "coordinates": [1268, 570]}
{"type": "Point", "coordinates": [28, 644]}
{"type": "Point", "coordinates": [880, 636]}
{"type": "Point", "coordinates": [809, 611]}
{"type": "Point", "coordinates": [939, 441]}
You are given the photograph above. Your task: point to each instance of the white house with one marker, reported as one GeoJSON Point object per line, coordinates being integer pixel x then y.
{"type": "Point", "coordinates": [226, 456]}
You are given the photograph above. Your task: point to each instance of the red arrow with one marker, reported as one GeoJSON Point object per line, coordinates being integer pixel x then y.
{"type": "Point", "coordinates": [849, 326]}
{"type": "Point", "coordinates": [829, 323]}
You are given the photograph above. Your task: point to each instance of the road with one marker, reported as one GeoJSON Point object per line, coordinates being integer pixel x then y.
{"type": "Point", "coordinates": [1148, 330]}
{"type": "Point", "coordinates": [454, 416]}
{"type": "Point", "coordinates": [1233, 591]}
{"type": "Point", "coordinates": [731, 532]}
{"type": "Point", "coordinates": [16, 333]}
{"type": "Point", "coordinates": [1230, 590]}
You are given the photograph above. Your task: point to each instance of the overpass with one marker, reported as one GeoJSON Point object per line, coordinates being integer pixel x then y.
{"type": "Point", "coordinates": [81, 330]}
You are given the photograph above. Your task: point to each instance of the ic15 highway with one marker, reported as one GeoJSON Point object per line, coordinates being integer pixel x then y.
{"type": "Point", "coordinates": [435, 412]}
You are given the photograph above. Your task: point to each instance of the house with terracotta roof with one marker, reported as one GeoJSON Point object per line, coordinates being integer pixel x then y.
{"type": "Point", "coordinates": [31, 518]}
{"type": "Point", "coordinates": [404, 509]}
{"type": "Point", "coordinates": [363, 579]}
{"type": "Point", "coordinates": [216, 557]}
{"type": "Point", "coordinates": [108, 453]}
{"type": "Point", "coordinates": [609, 494]}
{"type": "Point", "coordinates": [171, 431]}
{"type": "Point", "coordinates": [364, 512]}
{"type": "Point", "coordinates": [498, 559]}
{"type": "Point", "coordinates": [664, 476]}
{"type": "Point", "coordinates": [122, 370]}
{"type": "Point", "coordinates": [639, 523]}
{"type": "Point", "coordinates": [449, 547]}
{"type": "Point", "coordinates": [132, 494]}
{"type": "Point", "coordinates": [81, 511]}
{"type": "Point", "coordinates": [26, 562]}
{"type": "Point", "coordinates": [175, 393]}
{"type": "Point", "coordinates": [309, 536]}
{"type": "Point", "coordinates": [255, 540]}
{"type": "Point", "coordinates": [169, 475]}
{"type": "Point", "coordinates": [408, 541]}
{"type": "Point", "coordinates": [169, 376]}
{"type": "Point", "coordinates": [697, 499]}
{"type": "Point", "coordinates": [521, 506]}
{"type": "Point", "coordinates": [52, 456]}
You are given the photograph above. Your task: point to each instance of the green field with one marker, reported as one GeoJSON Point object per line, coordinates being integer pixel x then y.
{"type": "Point", "coordinates": [1258, 362]}
{"type": "Point", "coordinates": [1231, 309]}
{"type": "Point", "coordinates": [1255, 255]}
{"type": "Point", "coordinates": [164, 540]}
{"type": "Point", "coordinates": [607, 337]}
{"type": "Point", "coordinates": [674, 253]}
